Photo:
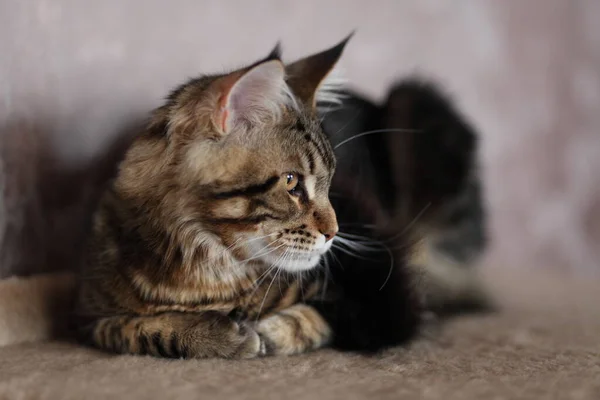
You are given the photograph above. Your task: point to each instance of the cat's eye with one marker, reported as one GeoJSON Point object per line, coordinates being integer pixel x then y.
{"type": "Point", "coordinates": [291, 182]}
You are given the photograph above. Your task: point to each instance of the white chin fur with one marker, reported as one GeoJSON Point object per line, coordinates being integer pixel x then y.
{"type": "Point", "coordinates": [302, 263]}
{"type": "Point", "coordinates": [296, 261]}
{"type": "Point", "coordinates": [305, 261]}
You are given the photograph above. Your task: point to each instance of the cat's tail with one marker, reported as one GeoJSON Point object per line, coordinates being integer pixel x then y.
{"type": "Point", "coordinates": [448, 286]}
{"type": "Point", "coordinates": [35, 308]}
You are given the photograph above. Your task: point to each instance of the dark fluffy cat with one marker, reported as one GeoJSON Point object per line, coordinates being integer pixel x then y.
{"type": "Point", "coordinates": [406, 189]}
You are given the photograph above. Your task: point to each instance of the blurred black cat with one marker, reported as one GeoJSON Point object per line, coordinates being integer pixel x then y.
{"type": "Point", "coordinates": [406, 191]}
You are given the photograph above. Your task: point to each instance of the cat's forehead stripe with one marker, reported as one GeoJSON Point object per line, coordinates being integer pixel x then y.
{"type": "Point", "coordinates": [321, 148]}
{"type": "Point", "coordinates": [299, 126]}
{"type": "Point", "coordinates": [311, 162]}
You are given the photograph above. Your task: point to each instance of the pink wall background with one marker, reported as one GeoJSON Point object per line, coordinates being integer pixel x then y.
{"type": "Point", "coordinates": [527, 73]}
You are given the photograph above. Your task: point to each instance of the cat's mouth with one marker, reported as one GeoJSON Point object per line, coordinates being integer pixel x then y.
{"type": "Point", "coordinates": [289, 257]}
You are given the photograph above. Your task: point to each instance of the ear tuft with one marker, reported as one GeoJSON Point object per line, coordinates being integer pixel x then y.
{"type": "Point", "coordinates": [275, 54]}
{"type": "Point", "coordinates": [307, 75]}
{"type": "Point", "coordinates": [330, 93]}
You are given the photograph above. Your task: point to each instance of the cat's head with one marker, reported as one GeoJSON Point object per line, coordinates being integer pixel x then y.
{"type": "Point", "coordinates": [241, 157]}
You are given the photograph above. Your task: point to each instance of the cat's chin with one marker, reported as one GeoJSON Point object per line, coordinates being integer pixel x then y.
{"type": "Point", "coordinates": [290, 259]}
{"type": "Point", "coordinates": [302, 263]}
{"type": "Point", "coordinates": [294, 261]}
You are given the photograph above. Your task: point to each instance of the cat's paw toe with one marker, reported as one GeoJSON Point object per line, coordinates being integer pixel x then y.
{"type": "Point", "coordinates": [250, 343]}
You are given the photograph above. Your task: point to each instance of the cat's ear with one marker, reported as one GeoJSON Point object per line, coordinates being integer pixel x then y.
{"type": "Point", "coordinates": [252, 95]}
{"type": "Point", "coordinates": [307, 76]}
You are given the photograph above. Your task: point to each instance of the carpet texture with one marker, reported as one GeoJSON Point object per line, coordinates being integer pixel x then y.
{"type": "Point", "coordinates": [544, 343]}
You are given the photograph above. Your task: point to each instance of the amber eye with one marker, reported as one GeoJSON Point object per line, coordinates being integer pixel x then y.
{"type": "Point", "coordinates": [291, 182]}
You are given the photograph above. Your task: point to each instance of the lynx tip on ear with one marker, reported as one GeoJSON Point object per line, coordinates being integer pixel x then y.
{"type": "Point", "coordinates": [275, 54]}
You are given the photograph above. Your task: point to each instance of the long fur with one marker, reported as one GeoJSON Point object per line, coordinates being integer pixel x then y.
{"type": "Point", "coordinates": [330, 94]}
{"type": "Point", "coordinates": [197, 217]}
{"type": "Point", "coordinates": [412, 161]}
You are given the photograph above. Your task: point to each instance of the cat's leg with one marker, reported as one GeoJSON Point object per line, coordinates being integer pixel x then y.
{"type": "Point", "coordinates": [177, 335]}
{"type": "Point", "coordinates": [294, 330]}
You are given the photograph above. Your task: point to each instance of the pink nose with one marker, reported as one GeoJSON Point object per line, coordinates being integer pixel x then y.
{"type": "Point", "coordinates": [329, 234]}
{"type": "Point", "coordinates": [326, 222]}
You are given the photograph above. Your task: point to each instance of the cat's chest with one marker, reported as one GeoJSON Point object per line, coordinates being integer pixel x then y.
{"type": "Point", "coordinates": [252, 296]}
{"type": "Point", "coordinates": [277, 294]}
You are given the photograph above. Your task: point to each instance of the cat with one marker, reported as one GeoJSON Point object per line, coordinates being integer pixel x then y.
{"type": "Point", "coordinates": [408, 175]}
{"type": "Point", "coordinates": [207, 241]}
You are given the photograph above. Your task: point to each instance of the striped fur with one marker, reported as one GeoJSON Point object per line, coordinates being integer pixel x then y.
{"type": "Point", "coordinates": [206, 242]}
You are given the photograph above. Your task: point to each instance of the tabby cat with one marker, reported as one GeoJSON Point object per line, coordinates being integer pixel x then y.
{"type": "Point", "coordinates": [217, 237]}
{"type": "Point", "coordinates": [206, 242]}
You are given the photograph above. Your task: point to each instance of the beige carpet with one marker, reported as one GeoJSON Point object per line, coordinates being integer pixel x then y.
{"type": "Point", "coordinates": [545, 344]}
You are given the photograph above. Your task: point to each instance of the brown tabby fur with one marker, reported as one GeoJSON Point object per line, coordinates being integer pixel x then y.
{"type": "Point", "coordinates": [169, 270]}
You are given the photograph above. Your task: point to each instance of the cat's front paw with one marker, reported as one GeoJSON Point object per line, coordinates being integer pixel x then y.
{"type": "Point", "coordinates": [295, 330]}
{"type": "Point", "coordinates": [247, 342]}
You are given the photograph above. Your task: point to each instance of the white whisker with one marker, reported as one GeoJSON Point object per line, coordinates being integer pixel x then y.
{"type": "Point", "coordinates": [373, 132]}
{"type": "Point", "coordinates": [359, 244]}
{"type": "Point", "coordinates": [391, 268]}
{"type": "Point", "coordinates": [353, 245]}
{"type": "Point", "coordinates": [267, 293]}
{"type": "Point", "coordinates": [259, 282]}
{"type": "Point", "coordinates": [262, 277]}
{"type": "Point", "coordinates": [410, 224]}
{"type": "Point", "coordinates": [327, 272]}
{"type": "Point", "coordinates": [238, 242]}
{"type": "Point", "coordinates": [337, 260]}
{"type": "Point", "coordinates": [264, 253]}
{"type": "Point", "coordinates": [351, 254]}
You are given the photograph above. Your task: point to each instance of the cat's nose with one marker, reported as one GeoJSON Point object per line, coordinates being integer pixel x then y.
{"type": "Point", "coordinates": [326, 222]}
{"type": "Point", "coordinates": [329, 233]}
